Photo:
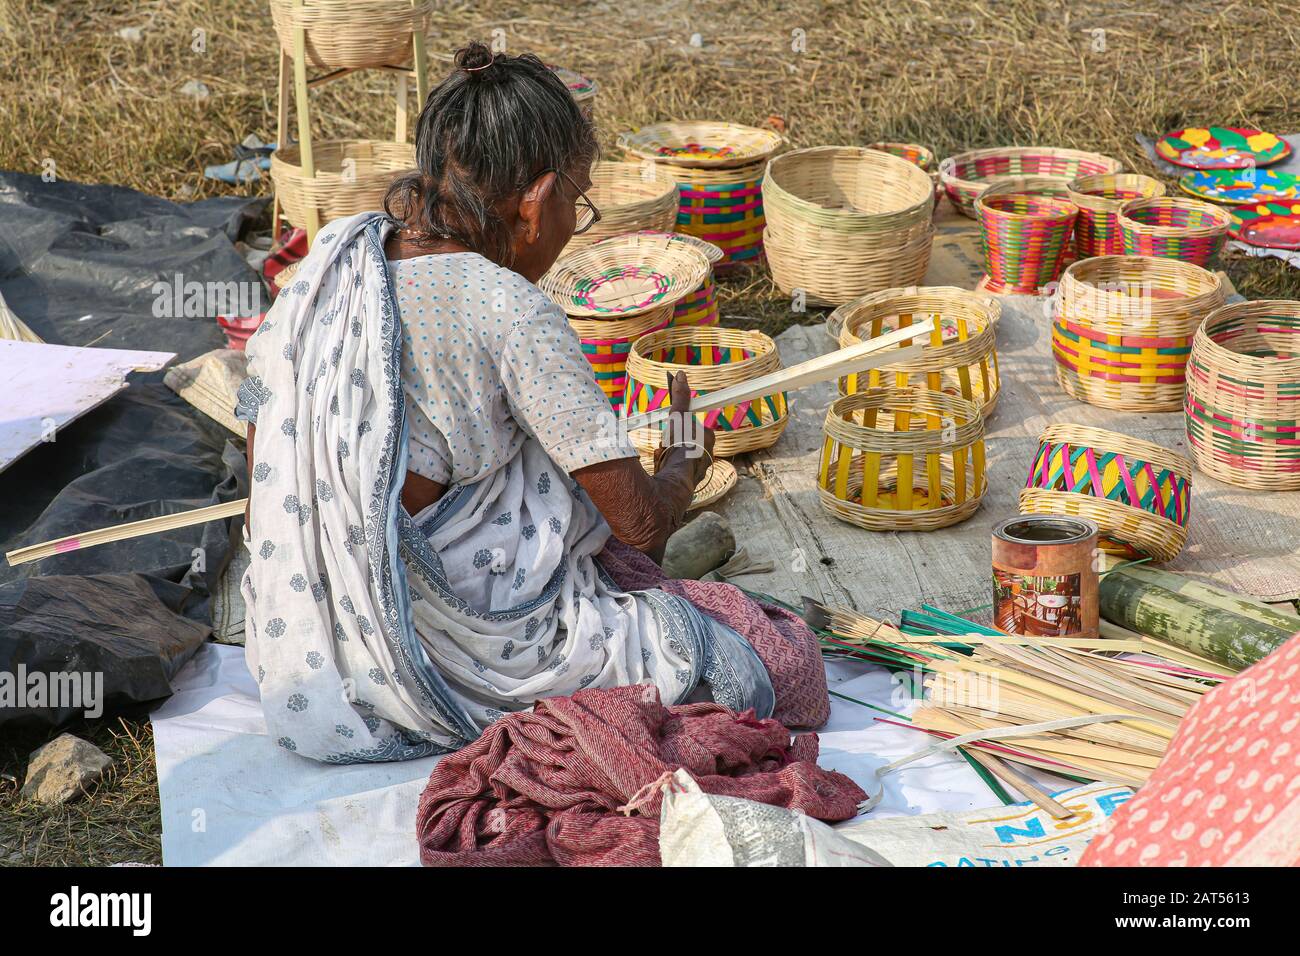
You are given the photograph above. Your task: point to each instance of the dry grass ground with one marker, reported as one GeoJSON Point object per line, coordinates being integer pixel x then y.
{"type": "Point", "coordinates": [953, 74]}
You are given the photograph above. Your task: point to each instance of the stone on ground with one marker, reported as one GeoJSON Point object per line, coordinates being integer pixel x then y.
{"type": "Point", "coordinates": [64, 769]}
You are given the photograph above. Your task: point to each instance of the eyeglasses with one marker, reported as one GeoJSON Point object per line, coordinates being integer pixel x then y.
{"type": "Point", "coordinates": [587, 213]}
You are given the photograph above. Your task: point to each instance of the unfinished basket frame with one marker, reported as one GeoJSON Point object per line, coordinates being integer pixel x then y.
{"type": "Point", "coordinates": [1025, 229]}
{"type": "Point", "coordinates": [712, 358]}
{"type": "Point", "coordinates": [1123, 327]}
{"type": "Point", "coordinates": [874, 455]}
{"type": "Point", "coordinates": [607, 342]}
{"type": "Point", "coordinates": [1174, 227]}
{"type": "Point", "coordinates": [1138, 493]}
{"type": "Point", "coordinates": [844, 221]}
{"type": "Point", "coordinates": [1243, 395]}
{"type": "Point", "coordinates": [1100, 198]}
{"type": "Point", "coordinates": [631, 197]}
{"type": "Point", "coordinates": [960, 357]}
{"type": "Point", "coordinates": [622, 277]}
{"type": "Point", "coordinates": [966, 175]}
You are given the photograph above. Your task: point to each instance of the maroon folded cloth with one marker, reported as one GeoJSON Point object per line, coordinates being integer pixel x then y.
{"type": "Point", "coordinates": [545, 786]}
{"type": "Point", "coordinates": [783, 641]}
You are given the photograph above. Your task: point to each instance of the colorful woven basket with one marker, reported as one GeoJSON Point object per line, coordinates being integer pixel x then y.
{"type": "Point", "coordinates": [607, 342]}
{"type": "Point", "coordinates": [630, 197]}
{"type": "Point", "coordinates": [1172, 227]}
{"type": "Point", "coordinates": [728, 215]}
{"type": "Point", "coordinates": [1123, 329]}
{"type": "Point", "coordinates": [701, 306]}
{"type": "Point", "coordinates": [712, 358]}
{"type": "Point", "coordinates": [902, 459]}
{"type": "Point", "coordinates": [582, 89]}
{"type": "Point", "coordinates": [1025, 227]}
{"type": "Point", "coordinates": [1099, 198]}
{"type": "Point", "coordinates": [1139, 494]}
{"type": "Point", "coordinates": [623, 277]}
{"type": "Point", "coordinates": [960, 357]}
{"type": "Point", "coordinates": [968, 174]}
{"type": "Point", "coordinates": [1243, 395]}
{"type": "Point", "coordinates": [844, 221]}
{"type": "Point", "coordinates": [702, 144]}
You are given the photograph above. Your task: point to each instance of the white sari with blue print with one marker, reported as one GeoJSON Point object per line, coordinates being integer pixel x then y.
{"type": "Point", "coordinates": [378, 636]}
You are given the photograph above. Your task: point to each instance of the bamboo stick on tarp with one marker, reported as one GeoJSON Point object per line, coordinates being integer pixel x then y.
{"type": "Point", "coordinates": [1212, 632]}
{"type": "Point", "coordinates": [1209, 594]}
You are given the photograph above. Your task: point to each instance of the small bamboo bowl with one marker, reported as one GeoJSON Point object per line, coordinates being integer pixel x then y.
{"type": "Point", "coordinates": [1173, 227]}
{"type": "Point", "coordinates": [712, 358]}
{"type": "Point", "coordinates": [966, 175]}
{"type": "Point", "coordinates": [1139, 494]}
{"type": "Point", "coordinates": [1243, 395]}
{"type": "Point", "coordinates": [631, 197]}
{"type": "Point", "coordinates": [622, 277]}
{"type": "Point", "coordinates": [606, 344]}
{"type": "Point", "coordinates": [1100, 198]}
{"type": "Point", "coordinates": [902, 459]}
{"type": "Point", "coordinates": [960, 356]}
{"type": "Point", "coordinates": [352, 176]}
{"type": "Point", "coordinates": [1123, 329]}
{"type": "Point", "coordinates": [352, 34]}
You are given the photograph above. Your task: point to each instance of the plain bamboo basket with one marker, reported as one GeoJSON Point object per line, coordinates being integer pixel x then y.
{"type": "Point", "coordinates": [1123, 329]}
{"type": "Point", "coordinates": [902, 459]}
{"type": "Point", "coordinates": [607, 342]}
{"type": "Point", "coordinates": [919, 156]}
{"type": "Point", "coordinates": [352, 34]}
{"type": "Point", "coordinates": [1172, 227]}
{"type": "Point", "coordinates": [959, 358]}
{"type": "Point", "coordinates": [701, 306]}
{"type": "Point", "coordinates": [1025, 228]}
{"type": "Point", "coordinates": [1139, 494]}
{"type": "Point", "coordinates": [712, 358]}
{"type": "Point", "coordinates": [623, 277]}
{"type": "Point", "coordinates": [843, 221]}
{"type": "Point", "coordinates": [631, 197]}
{"type": "Point", "coordinates": [352, 176]}
{"type": "Point", "coordinates": [966, 175]}
{"type": "Point", "coordinates": [1243, 395]}
{"type": "Point", "coordinates": [1100, 198]}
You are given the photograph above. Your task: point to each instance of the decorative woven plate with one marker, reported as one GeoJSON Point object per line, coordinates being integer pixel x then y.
{"type": "Point", "coordinates": [658, 240]}
{"type": "Point", "coordinates": [579, 86]}
{"type": "Point", "coordinates": [1220, 147]}
{"type": "Point", "coordinates": [1237, 186]}
{"type": "Point", "coordinates": [619, 279]}
{"type": "Point", "coordinates": [701, 143]}
{"type": "Point", "coordinates": [720, 480]}
{"type": "Point", "coordinates": [1274, 225]}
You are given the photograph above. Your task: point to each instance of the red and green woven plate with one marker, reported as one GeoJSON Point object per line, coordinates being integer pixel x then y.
{"type": "Point", "coordinates": [1271, 225]}
{"type": "Point", "coordinates": [1221, 147]}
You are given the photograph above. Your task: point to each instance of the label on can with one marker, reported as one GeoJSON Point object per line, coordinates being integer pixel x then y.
{"type": "Point", "coordinates": [1037, 605]}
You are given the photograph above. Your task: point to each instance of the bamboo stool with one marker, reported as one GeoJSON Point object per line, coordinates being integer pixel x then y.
{"type": "Point", "coordinates": [342, 37]}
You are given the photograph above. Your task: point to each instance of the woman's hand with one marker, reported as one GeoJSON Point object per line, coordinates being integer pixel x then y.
{"type": "Point", "coordinates": [684, 430]}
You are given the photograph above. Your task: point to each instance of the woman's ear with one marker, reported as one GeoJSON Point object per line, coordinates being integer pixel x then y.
{"type": "Point", "coordinates": [532, 205]}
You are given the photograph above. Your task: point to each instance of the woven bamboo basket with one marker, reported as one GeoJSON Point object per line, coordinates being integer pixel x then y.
{"type": "Point", "coordinates": [352, 34]}
{"type": "Point", "coordinates": [701, 306]}
{"type": "Point", "coordinates": [920, 157]}
{"type": "Point", "coordinates": [631, 197]}
{"type": "Point", "coordinates": [1172, 227]}
{"type": "Point", "coordinates": [582, 89]}
{"type": "Point", "coordinates": [352, 176]}
{"type": "Point", "coordinates": [1139, 494]}
{"type": "Point", "coordinates": [726, 214]}
{"type": "Point", "coordinates": [720, 480]}
{"type": "Point", "coordinates": [1123, 329]}
{"type": "Point", "coordinates": [902, 459]}
{"type": "Point", "coordinates": [701, 144]}
{"type": "Point", "coordinates": [959, 358]}
{"type": "Point", "coordinates": [968, 174]}
{"type": "Point", "coordinates": [607, 342]}
{"type": "Point", "coordinates": [844, 221]}
{"type": "Point", "coordinates": [623, 277]}
{"type": "Point", "coordinates": [712, 358]}
{"type": "Point", "coordinates": [1099, 198]}
{"type": "Point", "coordinates": [1243, 395]}
{"type": "Point", "coordinates": [1025, 227]}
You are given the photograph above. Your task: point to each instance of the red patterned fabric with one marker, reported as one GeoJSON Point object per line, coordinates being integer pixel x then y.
{"type": "Point", "coordinates": [544, 786]}
{"type": "Point", "coordinates": [786, 645]}
{"type": "Point", "coordinates": [1227, 792]}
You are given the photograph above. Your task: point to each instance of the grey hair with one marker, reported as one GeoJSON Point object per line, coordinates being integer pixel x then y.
{"type": "Point", "coordinates": [486, 132]}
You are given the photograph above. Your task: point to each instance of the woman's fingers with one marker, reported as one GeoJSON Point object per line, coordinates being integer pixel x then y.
{"type": "Point", "coordinates": [679, 392]}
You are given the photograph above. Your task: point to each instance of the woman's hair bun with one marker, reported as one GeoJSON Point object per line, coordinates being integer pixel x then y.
{"type": "Point", "coordinates": [479, 62]}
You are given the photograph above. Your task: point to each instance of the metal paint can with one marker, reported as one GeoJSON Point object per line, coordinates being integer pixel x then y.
{"type": "Point", "coordinates": [1045, 576]}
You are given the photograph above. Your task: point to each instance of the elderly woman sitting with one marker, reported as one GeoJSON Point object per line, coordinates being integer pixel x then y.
{"type": "Point", "coordinates": [438, 486]}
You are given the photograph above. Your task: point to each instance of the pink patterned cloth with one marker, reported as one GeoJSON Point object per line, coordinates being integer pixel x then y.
{"type": "Point", "coordinates": [786, 645]}
{"type": "Point", "coordinates": [545, 786]}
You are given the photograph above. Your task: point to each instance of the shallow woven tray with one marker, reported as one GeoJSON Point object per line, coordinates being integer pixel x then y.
{"type": "Point", "coordinates": [352, 34]}
{"type": "Point", "coordinates": [1125, 528]}
{"type": "Point", "coordinates": [968, 174]}
{"type": "Point", "coordinates": [631, 197]}
{"type": "Point", "coordinates": [720, 480]}
{"type": "Point", "coordinates": [373, 166]}
{"type": "Point", "coordinates": [723, 144]}
{"type": "Point", "coordinates": [1243, 395]}
{"type": "Point", "coordinates": [621, 278]}
{"type": "Point", "coordinates": [1123, 327]}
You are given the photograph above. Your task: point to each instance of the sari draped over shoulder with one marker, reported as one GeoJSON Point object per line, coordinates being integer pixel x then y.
{"type": "Point", "coordinates": [375, 635]}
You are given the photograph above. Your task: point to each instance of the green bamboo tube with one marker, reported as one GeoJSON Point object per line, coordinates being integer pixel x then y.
{"type": "Point", "coordinates": [1214, 597]}
{"type": "Point", "coordinates": [1213, 632]}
